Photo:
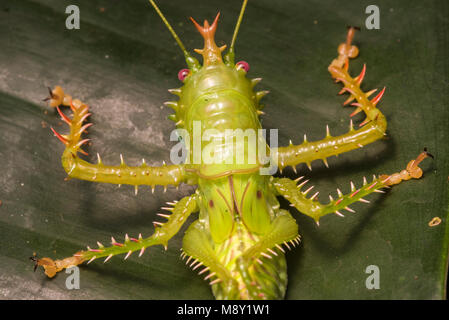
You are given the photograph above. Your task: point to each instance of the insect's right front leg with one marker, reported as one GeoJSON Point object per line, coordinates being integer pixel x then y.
{"type": "Point", "coordinates": [122, 174]}
{"type": "Point", "coordinates": [371, 129]}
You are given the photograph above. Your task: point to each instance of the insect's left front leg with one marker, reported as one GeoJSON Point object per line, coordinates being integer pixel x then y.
{"type": "Point", "coordinates": [162, 234]}
{"type": "Point", "coordinates": [292, 191]}
{"type": "Point", "coordinates": [122, 174]}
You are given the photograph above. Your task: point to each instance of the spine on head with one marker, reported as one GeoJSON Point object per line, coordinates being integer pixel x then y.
{"type": "Point", "coordinates": [211, 52]}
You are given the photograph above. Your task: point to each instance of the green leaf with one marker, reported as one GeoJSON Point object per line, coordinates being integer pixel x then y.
{"type": "Point", "coordinates": [122, 61]}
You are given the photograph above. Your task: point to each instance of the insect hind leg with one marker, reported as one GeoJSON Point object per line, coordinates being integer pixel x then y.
{"type": "Point", "coordinates": [266, 257]}
{"type": "Point", "coordinates": [197, 245]}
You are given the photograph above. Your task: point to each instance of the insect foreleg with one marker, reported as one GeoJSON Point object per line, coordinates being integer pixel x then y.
{"type": "Point", "coordinates": [314, 209]}
{"type": "Point", "coordinates": [372, 128]}
{"type": "Point", "coordinates": [122, 174]}
{"type": "Point", "coordinates": [162, 234]}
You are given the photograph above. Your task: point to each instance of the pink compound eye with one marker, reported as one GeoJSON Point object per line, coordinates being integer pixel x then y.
{"type": "Point", "coordinates": [242, 65]}
{"type": "Point", "coordinates": [182, 74]}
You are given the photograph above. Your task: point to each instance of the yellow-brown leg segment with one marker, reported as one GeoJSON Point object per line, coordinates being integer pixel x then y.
{"type": "Point", "coordinates": [314, 209]}
{"type": "Point", "coordinates": [372, 128]}
{"type": "Point", "coordinates": [122, 174]}
{"type": "Point", "coordinates": [162, 234]}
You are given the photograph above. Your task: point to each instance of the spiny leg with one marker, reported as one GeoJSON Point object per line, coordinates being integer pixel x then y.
{"type": "Point", "coordinates": [314, 209]}
{"type": "Point", "coordinates": [122, 174]}
{"type": "Point", "coordinates": [197, 244]}
{"type": "Point", "coordinates": [162, 234]}
{"type": "Point", "coordinates": [372, 128]}
{"type": "Point", "coordinates": [283, 229]}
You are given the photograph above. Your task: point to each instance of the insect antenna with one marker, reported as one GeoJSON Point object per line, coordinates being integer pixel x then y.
{"type": "Point", "coordinates": [192, 62]}
{"type": "Point", "coordinates": [229, 57]}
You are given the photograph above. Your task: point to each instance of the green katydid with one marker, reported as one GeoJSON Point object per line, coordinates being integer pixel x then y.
{"type": "Point", "coordinates": [238, 241]}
